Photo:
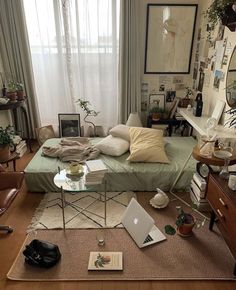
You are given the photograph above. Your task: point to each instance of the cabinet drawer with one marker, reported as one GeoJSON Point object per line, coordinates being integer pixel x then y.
{"type": "Point", "coordinates": [222, 206]}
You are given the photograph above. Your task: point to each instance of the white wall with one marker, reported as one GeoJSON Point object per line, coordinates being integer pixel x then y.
{"type": "Point", "coordinates": [210, 94]}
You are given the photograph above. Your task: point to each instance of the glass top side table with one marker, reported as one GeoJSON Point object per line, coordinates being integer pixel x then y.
{"type": "Point", "coordinates": [75, 184]}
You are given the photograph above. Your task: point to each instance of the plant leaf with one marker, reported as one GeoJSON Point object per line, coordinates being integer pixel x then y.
{"type": "Point", "coordinates": [169, 230]}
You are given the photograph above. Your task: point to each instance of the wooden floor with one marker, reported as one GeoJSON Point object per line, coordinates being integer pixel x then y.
{"type": "Point", "coordinates": [19, 216]}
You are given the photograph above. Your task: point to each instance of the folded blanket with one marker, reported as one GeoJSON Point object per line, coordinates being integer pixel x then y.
{"type": "Point", "coordinates": [72, 149]}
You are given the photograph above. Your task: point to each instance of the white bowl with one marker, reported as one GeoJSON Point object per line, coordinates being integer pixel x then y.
{"type": "Point", "coordinates": [222, 154]}
{"type": "Point", "coordinates": [3, 101]}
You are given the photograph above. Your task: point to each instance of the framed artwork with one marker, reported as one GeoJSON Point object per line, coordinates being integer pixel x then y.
{"type": "Point", "coordinates": [44, 133]}
{"type": "Point", "coordinates": [69, 125]}
{"type": "Point", "coordinates": [157, 100]}
{"type": "Point", "coordinates": [170, 96]}
{"type": "Point", "coordinates": [169, 38]}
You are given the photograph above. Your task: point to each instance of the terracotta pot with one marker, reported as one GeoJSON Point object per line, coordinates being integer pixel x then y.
{"type": "Point", "coordinates": [4, 153]}
{"type": "Point", "coordinates": [156, 116]}
{"type": "Point", "coordinates": [12, 96]}
{"type": "Point", "coordinates": [20, 95]}
{"type": "Point", "coordinates": [185, 230]}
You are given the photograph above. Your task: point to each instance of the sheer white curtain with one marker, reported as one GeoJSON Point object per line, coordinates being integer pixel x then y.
{"type": "Point", "coordinates": [74, 47]}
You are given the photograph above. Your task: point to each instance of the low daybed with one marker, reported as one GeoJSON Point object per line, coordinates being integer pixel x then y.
{"type": "Point", "coordinates": [122, 175]}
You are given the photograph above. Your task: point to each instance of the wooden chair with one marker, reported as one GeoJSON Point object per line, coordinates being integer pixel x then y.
{"type": "Point", "coordinates": [10, 185]}
{"type": "Point", "coordinates": [44, 133]}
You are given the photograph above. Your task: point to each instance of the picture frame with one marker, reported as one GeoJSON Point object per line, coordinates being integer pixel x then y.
{"type": "Point", "coordinates": [69, 125]}
{"type": "Point", "coordinates": [169, 38]}
{"type": "Point", "coordinates": [170, 96]}
{"type": "Point", "coordinates": [157, 100]}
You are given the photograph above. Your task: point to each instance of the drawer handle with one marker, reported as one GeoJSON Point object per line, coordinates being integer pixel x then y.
{"type": "Point", "coordinates": [220, 213]}
{"type": "Point", "coordinates": [222, 202]}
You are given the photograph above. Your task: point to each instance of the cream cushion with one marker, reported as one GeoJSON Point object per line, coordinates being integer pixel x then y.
{"type": "Point", "coordinates": [121, 131]}
{"type": "Point", "coordinates": [147, 145]}
{"type": "Point", "coordinates": [112, 146]}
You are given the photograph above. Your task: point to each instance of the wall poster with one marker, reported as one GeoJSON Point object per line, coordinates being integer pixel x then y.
{"type": "Point", "coordinates": [169, 38]}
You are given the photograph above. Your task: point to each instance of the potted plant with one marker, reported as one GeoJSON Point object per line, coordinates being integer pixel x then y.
{"type": "Point", "coordinates": [221, 11]}
{"type": "Point", "coordinates": [6, 140]}
{"type": "Point", "coordinates": [184, 102]}
{"type": "Point", "coordinates": [20, 91]}
{"type": "Point", "coordinates": [185, 223]}
{"type": "Point", "coordinates": [89, 112]}
{"type": "Point", "coordinates": [11, 91]}
{"type": "Point", "coordinates": [156, 113]}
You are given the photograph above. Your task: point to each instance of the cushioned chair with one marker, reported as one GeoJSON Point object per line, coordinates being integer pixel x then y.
{"type": "Point", "coordinates": [10, 184]}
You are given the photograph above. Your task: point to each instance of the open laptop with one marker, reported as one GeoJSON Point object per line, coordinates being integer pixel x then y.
{"type": "Point", "coordinates": [140, 225]}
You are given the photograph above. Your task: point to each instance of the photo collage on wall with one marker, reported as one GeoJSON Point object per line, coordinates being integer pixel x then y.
{"type": "Point", "coordinates": [215, 55]}
{"type": "Point", "coordinates": [162, 93]}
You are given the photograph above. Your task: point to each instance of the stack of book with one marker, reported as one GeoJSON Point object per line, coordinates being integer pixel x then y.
{"type": "Point", "coordinates": [178, 116]}
{"type": "Point", "coordinates": [96, 172]}
{"type": "Point", "coordinates": [20, 145]}
{"type": "Point", "coordinates": [198, 192]}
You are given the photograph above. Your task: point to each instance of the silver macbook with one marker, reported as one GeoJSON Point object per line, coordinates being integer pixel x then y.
{"type": "Point", "coordinates": [140, 225]}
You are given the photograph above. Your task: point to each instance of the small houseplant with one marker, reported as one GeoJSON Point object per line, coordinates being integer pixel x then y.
{"type": "Point", "coordinates": [221, 11]}
{"type": "Point", "coordinates": [11, 91]}
{"type": "Point", "coordinates": [156, 113]}
{"type": "Point", "coordinates": [184, 222]}
{"type": "Point", "coordinates": [85, 105]}
{"type": "Point", "coordinates": [20, 91]}
{"type": "Point", "coordinates": [6, 140]}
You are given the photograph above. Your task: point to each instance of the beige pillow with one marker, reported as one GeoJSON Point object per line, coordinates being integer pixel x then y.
{"type": "Point", "coordinates": [147, 145]}
{"type": "Point", "coordinates": [113, 146]}
{"type": "Point", "coordinates": [121, 131]}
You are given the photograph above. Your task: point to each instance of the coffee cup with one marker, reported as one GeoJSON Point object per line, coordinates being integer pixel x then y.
{"type": "Point", "coordinates": [75, 167]}
{"type": "Point", "coordinates": [232, 182]}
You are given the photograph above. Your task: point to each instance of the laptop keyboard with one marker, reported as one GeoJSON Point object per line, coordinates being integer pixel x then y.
{"type": "Point", "coordinates": [148, 239]}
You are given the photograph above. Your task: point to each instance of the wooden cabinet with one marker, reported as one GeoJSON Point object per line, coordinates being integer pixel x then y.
{"type": "Point", "coordinates": [223, 203]}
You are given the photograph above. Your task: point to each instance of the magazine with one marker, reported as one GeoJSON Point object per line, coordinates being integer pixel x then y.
{"type": "Point", "coordinates": [105, 261]}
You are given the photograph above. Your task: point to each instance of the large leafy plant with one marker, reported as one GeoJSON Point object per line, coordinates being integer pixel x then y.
{"type": "Point", "coordinates": [217, 11]}
{"type": "Point", "coordinates": [6, 136]}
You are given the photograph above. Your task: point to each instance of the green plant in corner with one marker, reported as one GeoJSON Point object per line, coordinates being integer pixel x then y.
{"type": "Point", "coordinates": [85, 105]}
{"type": "Point", "coordinates": [220, 11]}
{"type": "Point", "coordinates": [6, 136]}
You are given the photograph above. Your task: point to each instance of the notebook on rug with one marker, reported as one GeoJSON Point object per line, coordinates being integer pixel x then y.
{"type": "Point", "coordinates": [140, 225]}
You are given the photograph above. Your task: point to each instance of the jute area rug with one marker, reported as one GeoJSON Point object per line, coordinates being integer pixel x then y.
{"type": "Point", "coordinates": [204, 255]}
{"type": "Point", "coordinates": [48, 215]}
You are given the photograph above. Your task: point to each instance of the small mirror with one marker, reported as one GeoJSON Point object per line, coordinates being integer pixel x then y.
{"type": "Point", "coordinates": [231, 81]}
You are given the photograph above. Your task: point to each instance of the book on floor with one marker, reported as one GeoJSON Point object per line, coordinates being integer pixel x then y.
{"type": "Point", "coordinates": [105, 261]}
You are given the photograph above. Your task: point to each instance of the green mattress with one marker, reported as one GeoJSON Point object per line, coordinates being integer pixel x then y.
{"type": "Point", "coordinates": [122, 175]}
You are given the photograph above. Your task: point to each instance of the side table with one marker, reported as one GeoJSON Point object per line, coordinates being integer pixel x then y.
{"type": "Point", "coordinates": [13, 107]}
{"type": "Point", "coordinates": [12, 158]}
{"type": "Point", "coordinates": [223, 203]}
{"type": "Point", "coordinates": [76, 184]}
{"type": "Point", "coordinates": [207, 160]}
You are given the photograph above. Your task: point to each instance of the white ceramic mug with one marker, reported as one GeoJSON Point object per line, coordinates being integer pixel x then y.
{"type": "Point", "coordinates": [232, 182]}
